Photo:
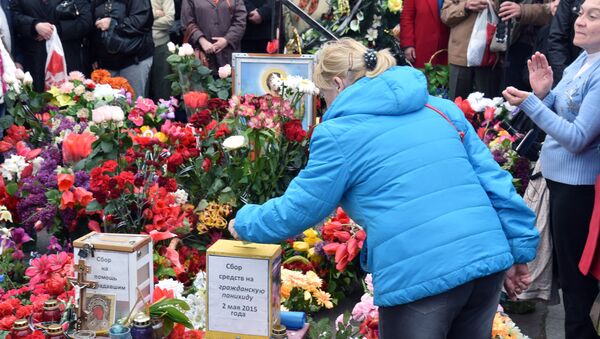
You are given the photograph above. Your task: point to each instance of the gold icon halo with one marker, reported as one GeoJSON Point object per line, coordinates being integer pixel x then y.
{"type": "Point", "coordinates": [265, 75]}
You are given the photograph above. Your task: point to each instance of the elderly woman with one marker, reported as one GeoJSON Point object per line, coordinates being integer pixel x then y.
{"type": "Point", "coordinates": [216, 27]}
{"type": "Point", "coordinates": [443, 220]}
{"type": "Point", "coordinates": [570, 159]}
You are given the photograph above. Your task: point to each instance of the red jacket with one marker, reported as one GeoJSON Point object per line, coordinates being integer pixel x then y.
{"type": "Point", "coordinates": [590, 259]}
{"type": "Point", "coordinates": [427, 34]}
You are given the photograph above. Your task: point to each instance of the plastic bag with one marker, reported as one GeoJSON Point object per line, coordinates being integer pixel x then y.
{"type": "Point", "coordinates": [56, 65]}
{"type": "Point", "coordinates": [478, 52]}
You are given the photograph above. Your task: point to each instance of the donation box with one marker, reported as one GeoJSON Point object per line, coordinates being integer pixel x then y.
{"type": "Point", "coordinates": [120, 265]}
{"type": "Point", "coordinates": [243, 282]}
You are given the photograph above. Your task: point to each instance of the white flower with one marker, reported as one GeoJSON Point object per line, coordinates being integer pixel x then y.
{"type": "Point", "coordinates": [181, 197]}
{"type": "Point", "coordinates": [79, 90]}
{"type": "Point", "coordinates": [5, 215]}
{"type": "Point", "coordinates": [200, 281]}
{"type": "Point", "coordinates": [171, 47]}
{"type": "Point", "coordinates": [360, 16]}
{"type": "Point", "coordinates": [172, 285]}
{"type": "Point", "coordinates": [234, 142]}
{"type": "Point", "coordinates": [197, 312]}
{"type": "Point", "coordinates": [225, 71]}
{"type": "Point", "coordinates": [498, 101]}
{"type": "Point", "coordinates": [83, 113]}
{"type": "Point", "coordinates": [104, 91]}
{"type": "Point", "coordinates": [371, 34]}
{"type": "Point", "coordinates": [376, 21]}
{"type": "Point", "coordinates": [354, 25]}
{"type": "Point", "coordinates": [308, 87]}
{"type": "Point", "coordinates": [13, 166]}
{"type": "Point", "coordinates": [9, 78]}
{"type": "Point", "coordinates": [118, 114]}
{"type": "Point", "coordinates": [185, 50]}
{"type": "Point", "coordinates": [19, 74]}
{"type": "Point", "coordinates": [27, 79]}
{"type": "Point", "coordinates": [292, 82]}
{"type": "Point", "coordinates": [37, 164]}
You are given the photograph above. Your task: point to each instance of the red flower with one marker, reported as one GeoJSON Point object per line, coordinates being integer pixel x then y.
{"type": "Point", "coordinates": [7, 322]}
{"type": "Point", "coordinates": [67, 200]}
{"type": "Point", "coordinates": [77, 146]}
{"type": "Point", "coordinates": [206, 164]}
{"type": "Point", "coordinates": [65, 181]}
{"type": "Point", "coordinates": [94, 226]}
{"type": "Point", "coordinates": [174, 161]}
{"type": "Point", "coordinates": [5, 309]}
{"type": "Point", "coordinates": [370, 327]}
{"type": "Point", "coordinates": [82, 196]}
{"type": "Point", "coordinates": [109, 166]}
{"type": "Point", "coordinates": [55, 285]}
{"type": "Point", "coordinates": [24, 311]}
{"type": "Point", "coordinates": [195, 100]}
{"type": "Point", "coordinates": [159, 294]}
{"type": "Point", "coordinates": [222, 130]}
{"type": "Point", "coordinates": [201, 118]}
{"type": "Point", "coordinates": [273, 46]}
{"type": "Point", "coordinates": [293, 130]}
{"type": "Point", "coordinates": [465, 106]}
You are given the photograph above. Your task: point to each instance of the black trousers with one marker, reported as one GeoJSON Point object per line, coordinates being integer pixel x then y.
{"type": "Point", "coordinates": [570, 213]}
{"type": "Point", "coordinates": [466, 311]}
{"type": "Point", "coordinates": [466, 80]}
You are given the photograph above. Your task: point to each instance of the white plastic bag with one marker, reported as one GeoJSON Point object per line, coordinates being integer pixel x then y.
{"type": "Point", "coordinates": [56, 65]}
{"type": "Point", "coordinates": [478, 52]}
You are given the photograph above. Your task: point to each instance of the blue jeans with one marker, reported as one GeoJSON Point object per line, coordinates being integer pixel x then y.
{"type": "Point", "coordinates": [466, 311]}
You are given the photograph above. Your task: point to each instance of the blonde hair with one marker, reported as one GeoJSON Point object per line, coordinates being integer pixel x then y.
{"type": "Point", "coordinates": [345, 59]}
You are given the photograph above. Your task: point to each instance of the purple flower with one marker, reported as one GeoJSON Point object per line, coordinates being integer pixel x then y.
{"type": "Point", "coordinates": [54, 245]}
{"type": "Point", "coordinates": [319, 248]}
{"type": "Point", "coordinates": [82, 179]}
{"type": "Point", "coordinates": [19, 236]}
{"type": "Point", "coordinates": [499, 157]}
{"type": "Point", "coordinates": [18, 254]}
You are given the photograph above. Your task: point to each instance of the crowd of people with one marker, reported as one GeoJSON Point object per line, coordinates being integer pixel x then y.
{"type": "Point", "coordinates": [445, 225]}
{"type": "Point", "coordinates": [129, 37]}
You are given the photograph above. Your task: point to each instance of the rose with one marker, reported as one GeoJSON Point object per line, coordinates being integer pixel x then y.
{"type": "Point", "coordinates": [225, 71]}
{"type": "Point", "coordinates": [27, 79]}
{"type": "Point", "coordinates": [195, 100]}
{"type": "Point", "coordinates": [19, 74]}
{"type": "Point", "coordinates": [394, 6]}
{"type": "Point", "coordinates": [186, 50]}
{"type": "Point", "coordinates": [77, 146]}
{"type": "Point", "coordinates": [171, 47]}
{"type": "Point", "coordinates": [234, 142]}
{"type": "Point", "coordinates": [293, 130]}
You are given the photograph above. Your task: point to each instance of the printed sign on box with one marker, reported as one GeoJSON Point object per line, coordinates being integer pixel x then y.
{"type": "Point", "coordinates": [243, 289]}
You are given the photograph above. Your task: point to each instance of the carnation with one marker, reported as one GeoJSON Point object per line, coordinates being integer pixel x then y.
{"type": "Point", "coordinates": [13, 166]}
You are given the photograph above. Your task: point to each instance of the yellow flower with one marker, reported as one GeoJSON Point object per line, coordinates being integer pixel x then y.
{"type": "Point", "coordinates": [143, 129]}
{"type": "Point", "coordinates": [300, 246]}
{"type": "Point", "coordinates": [161, 137]}
{"type": "Point", "coordinates": [311, 237]}
{"type": "Point", "coordinates": [323, 298]}
{"type": "Point", "coordinates": [394, 6]}
{"type": "Point", "coordinates": [285, 291]}
{"type": "Point", "coordinates": [307, 295]}
{"type": "Point", "coordinates": [5, 214]}
{"type": "Point", "coordinates": [314, 258]}
{"type": "Point", "coordinates": [310, 233]}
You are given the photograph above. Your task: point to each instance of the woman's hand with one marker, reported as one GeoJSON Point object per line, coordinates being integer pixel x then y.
{"type": "Point", "coordinates": [44, 29]}
{"type": "Point", "coordinates": [207, 47]}
{"type": "Point", "coordinates": [517, 280]}
{"type": "Point", "coordinates": [540, 75]}
{"type": "Point", "coordinates": [509, 10]}
{"type": "Point", "coordinates": [219, 44]}
{"type": "Point", "coordinates": [514, 96]}
{"type": "Point", "coordinates": [410, 54]}
{"type": "Point", "coordinates": [232, 229]}
{"type": "Point", "coordinates": [158, 13]}
{"type": "Point", "coordinates": [103, 24]}
{"type": "Point", "coordinates": [476, 5]}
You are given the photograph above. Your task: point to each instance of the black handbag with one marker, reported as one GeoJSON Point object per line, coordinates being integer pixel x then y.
{"type": "Point", "coordinates": [67, 10]}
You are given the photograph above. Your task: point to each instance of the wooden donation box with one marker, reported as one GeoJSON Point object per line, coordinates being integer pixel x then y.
{"type": "Point", "coordinates": [243, 289]}
{"type": "Point", "coordinates": [119, 265]}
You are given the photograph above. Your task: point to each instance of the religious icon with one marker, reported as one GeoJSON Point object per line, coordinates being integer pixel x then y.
{"type": "Point", "coordinates": [100, 310]}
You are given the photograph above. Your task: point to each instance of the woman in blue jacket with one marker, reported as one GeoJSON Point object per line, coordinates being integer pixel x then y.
{"type": "Point", "coordinates": [443, 220]}
{"type": "Point", "coordinates": [570, 159]}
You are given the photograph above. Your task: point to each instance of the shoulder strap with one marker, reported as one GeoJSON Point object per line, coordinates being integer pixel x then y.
{"type": "Point", "coordinates": [460, 133]}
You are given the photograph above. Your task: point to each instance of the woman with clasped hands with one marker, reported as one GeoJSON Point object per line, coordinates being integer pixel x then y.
{"type": "Point", "coordinates": [443, 220]}
{"type": "Point", "coordinates": [570, 159]}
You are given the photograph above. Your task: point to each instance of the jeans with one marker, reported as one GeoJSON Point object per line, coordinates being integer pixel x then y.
{"type": "Point", "coordinates": [137, 75]}
{"type": "Point", "coordinates": [466, 311]}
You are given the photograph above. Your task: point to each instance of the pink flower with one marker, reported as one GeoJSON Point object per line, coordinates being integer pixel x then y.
{"type": "Point", "coordinates": [369, 282]}
{"type": "Point", "coordinates": [67, 87]}
{"type": "Point", "coordinates": [339, 321]}
{"type": "Point", "coordinates": [364, 308]}
{"type": "Point", "coordinates": [76, 75]}
{"type": "Point", "coordinates": [38, 270]}
{"type": "Point", "coordinates": [224, 71]}
{"type": "Point", "coordinates": [145, 105]}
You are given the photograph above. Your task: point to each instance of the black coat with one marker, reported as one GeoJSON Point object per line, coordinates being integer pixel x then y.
{"type": "Point", "coordinates": [561, 51]}
{"type": "Point", "coordinates": [261, 31]}
{"type": "Point", "coordinates": [133, 19]}
{"type": "Point", "coordinates": [27, 13]}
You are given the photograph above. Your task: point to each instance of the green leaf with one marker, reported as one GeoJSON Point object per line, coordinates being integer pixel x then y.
{"type": "Point", "coordinates": [12, 188]}
{"type": "Point", "coordinates": [107, 147]}
{"type": "Point", "coordinates": [53, 196]}
{"type": "Point", "coordinates": [6, 121]}
{"type": "Point", "coordinates": [93, 206]}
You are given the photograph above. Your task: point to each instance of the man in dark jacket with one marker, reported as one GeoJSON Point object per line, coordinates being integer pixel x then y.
{"type": "Point", "coordinates": [34, 22]}
{"type": "Point", "coordinates": [258, 26]}
{"type": "Point", "coordinates": [561, 51]}
{"type": "Point", "coordinates": [123, 39]}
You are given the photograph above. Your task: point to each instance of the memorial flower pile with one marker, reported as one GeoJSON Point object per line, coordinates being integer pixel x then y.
{"type": "Point", "coordinates": [302, 291]}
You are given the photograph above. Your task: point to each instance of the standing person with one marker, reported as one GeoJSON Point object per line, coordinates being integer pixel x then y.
{"type": "Point", "coordinates": [460, 16]}
{"type": "Point", "coordinates": [164, 17]}
{"type": "Point", "coordinates": [35, 21]}
{"type": "Point", "coordinates": [258, 26]}
{"type": "Point", "coordinates": [422, 33]}
{"type": "Point", "coordinates": [570, 159]}
{"type": "Point", "coordinates": [216, 27]}
{"type": "Point", "coordinates": [561, 50]}
{"type": "Point", "coordinates": [443, 220]}
{"type": "Point", "coordinates": [123, 39]}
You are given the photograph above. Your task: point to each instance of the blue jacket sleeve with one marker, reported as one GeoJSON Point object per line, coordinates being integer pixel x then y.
{"type": "Point", "coordinates": [518, 221]}
{"type": "Point", "coordinates": [575, 136]}
{"type": "Point", "coordinates": [310, 197]}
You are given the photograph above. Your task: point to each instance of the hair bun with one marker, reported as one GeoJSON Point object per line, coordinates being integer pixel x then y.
{"type": "Point", "coordinates": [370, 59]}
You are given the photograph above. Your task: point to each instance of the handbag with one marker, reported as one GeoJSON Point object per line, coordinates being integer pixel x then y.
{"type": "Point", "coordinates": [67, 10]}
{"type": "Point", "coordinates": [198, 52]}
{"type": "Point", "coordinates": [478, 51]}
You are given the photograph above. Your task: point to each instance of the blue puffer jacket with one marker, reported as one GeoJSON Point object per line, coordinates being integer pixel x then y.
{"type": "Point", "coordinates": [438, 212]}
